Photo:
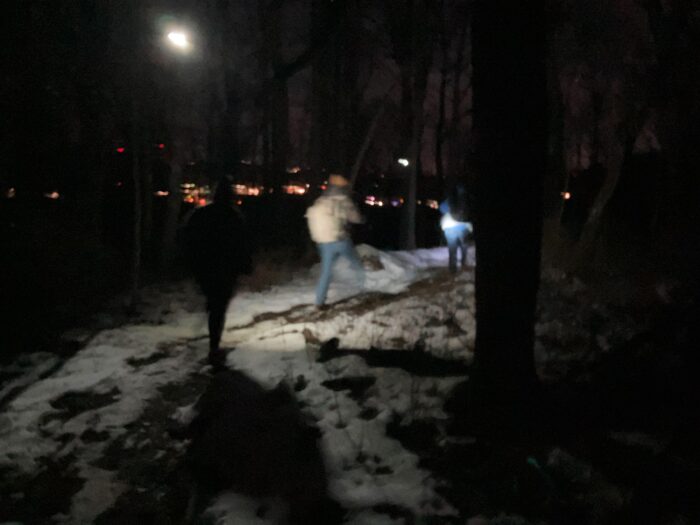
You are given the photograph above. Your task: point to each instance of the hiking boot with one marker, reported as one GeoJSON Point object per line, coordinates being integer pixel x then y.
{"type": "Point", "coordinates": [217, 358]}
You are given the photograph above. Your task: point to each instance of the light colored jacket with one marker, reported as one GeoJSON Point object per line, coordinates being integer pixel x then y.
{"type": "Point", "coordinates": [329, 216]}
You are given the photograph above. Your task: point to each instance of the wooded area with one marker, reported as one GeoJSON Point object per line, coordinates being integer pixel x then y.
{"type": "Point", "coordinates": [584, 116]}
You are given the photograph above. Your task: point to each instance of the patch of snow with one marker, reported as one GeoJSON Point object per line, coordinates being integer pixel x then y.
{"type": "Point", "coordinates": [98, 494]}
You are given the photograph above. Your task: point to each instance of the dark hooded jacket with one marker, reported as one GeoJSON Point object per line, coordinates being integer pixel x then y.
{"type": "Point", "coordinates": [216, 243]}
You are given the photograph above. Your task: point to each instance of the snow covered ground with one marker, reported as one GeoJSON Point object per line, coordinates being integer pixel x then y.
{"type": "Point", "coordinates": [107, 385]}
{"type": "Point", "coordinates": [72, 416]}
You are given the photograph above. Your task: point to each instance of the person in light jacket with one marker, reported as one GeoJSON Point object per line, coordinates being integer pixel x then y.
{"type": "Point", "coordinates": [328, 219]}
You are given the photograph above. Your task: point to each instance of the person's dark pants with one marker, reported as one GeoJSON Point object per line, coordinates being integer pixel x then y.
{"type": "Point", "coordinates": [455, 241]}
{"type": "Point", "coordinates": [218, 294]}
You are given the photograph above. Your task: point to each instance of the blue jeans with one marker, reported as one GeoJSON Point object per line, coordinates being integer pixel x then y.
{"type": "Point", "coordinates": [329, 252]}
{"type": "Point", "coordinates": [455, 240]}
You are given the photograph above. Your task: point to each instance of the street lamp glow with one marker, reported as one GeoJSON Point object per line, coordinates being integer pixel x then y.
{"type": "Point", "coordinates": [179, 39]}
{"type": "Point", "coordinates": [403, 162]}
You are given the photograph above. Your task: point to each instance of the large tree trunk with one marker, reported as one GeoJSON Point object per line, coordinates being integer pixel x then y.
{"type": "Point", "coordinates": [508, 50]}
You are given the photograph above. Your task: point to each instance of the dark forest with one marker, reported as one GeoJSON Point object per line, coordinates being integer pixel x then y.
{"type": "Point", "coordinates": [551, 378]}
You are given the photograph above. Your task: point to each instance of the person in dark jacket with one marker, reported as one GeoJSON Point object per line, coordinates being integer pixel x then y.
{"type": "Point", "coordinates": [218, 250]}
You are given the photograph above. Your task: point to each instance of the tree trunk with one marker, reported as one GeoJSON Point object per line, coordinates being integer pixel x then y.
{"type": "Point", "coordinates": [455, 144]}
{"type": "Point", "coordinates": [354, 172]}
{"type": "Point", "coordinates": [614, 152]}
{"type": "Point", "coordinates": [168, 250]}
{"type": "Point", "coordinates": [321, 92]}
{"type": "Point", "coordinates": [276, 101]}
{"type": "Point", "coordinates": [508, 50]}
{"type": "Point", "coordinates": [137, 222]}
{"type": "Point", "coordinates": [414, 83]}
{"type": "Point", "coordinates": [440, 127]}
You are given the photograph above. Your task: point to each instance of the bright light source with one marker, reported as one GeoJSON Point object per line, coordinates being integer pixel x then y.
{"type": "Point", "coordinates": [566, 195]}
{"type": "Point", "coordinates": [403, 162]}
{"type": "Point", "coordinates": [121, 149]}
{"type": "Point", "coordinates": [161, 146]}
{"type": "Point", "coordinates": [447, 222]}
{"type": "Point", "coordinates": [161, 193]}
{"type": "Point", "coordinates": [53, 195]}
{"type": "Point", "coordinates": [179, 39]}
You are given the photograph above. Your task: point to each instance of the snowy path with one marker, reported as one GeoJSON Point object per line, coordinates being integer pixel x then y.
{"type": "Point", "coordinates": [74, 419]}
{"type": "Point", "coordinates": [85, 440]}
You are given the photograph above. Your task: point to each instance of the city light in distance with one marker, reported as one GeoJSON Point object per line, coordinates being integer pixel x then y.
{"type": "Point", "coordinates": [403, 162]}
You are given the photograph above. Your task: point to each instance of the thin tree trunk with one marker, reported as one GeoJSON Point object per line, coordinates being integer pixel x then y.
{"type": "Point", "coordinates": [137, 223]}
{"type": "Point", "coordinates": [414, 81]}
{"type": "Point", "coordinates": [276, 99]}
{"type": "Point", "coordinates": [147, 202]}
{"type": "Point", "coordinates": [369, 136]}
{"type": "Point", "coordinates": [614, 153]}
{"type": "Point", "coordinates": [440, 127]}
{"type": "Point", "coordinates": [455, 149]}
{"type": "Point", "coordinates": [510, 121]}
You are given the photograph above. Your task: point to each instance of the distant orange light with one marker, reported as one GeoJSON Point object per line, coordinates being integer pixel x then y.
{"type": "Point", "coordinates": [52, 195]}
{"type": "Point", "coordinates": [202, 202]}
{"type": "Point", "coordinates": [294, 189]}
{"type": "Point", "coordinates": [121, 150]}
{"type": "Point", "coordinates": [244, 189]}
{"type": "Point", "coordinates": [161, 193]}
{"type": "Point", "coordinates": [566, 195]}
